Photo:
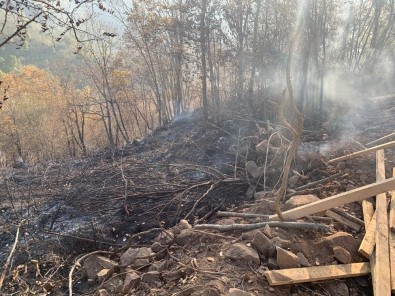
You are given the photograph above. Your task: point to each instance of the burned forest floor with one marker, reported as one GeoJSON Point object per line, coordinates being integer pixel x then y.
{"type": "Point", "coordinates": [134, 210]}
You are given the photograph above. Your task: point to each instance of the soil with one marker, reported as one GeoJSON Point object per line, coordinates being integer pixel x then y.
{"type": "Point", "coordinates": [189, 170]}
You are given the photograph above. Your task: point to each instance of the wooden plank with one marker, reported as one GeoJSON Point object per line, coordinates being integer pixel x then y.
{"type": "Point", "coordinates": [392, 259]}
{"type": "Point", "coordinates": [382, 270]}
{"type": "Point", "coordinates": [369, 240]}
{"type": "Point", "coordinates": [316, 273]}
{"type": "Point", "coordinates": [338, 200]}
{"type": "Point", "coordinates": [339, 218]}
{"type": "Point", "coordinates": [368, 211]}
{"type": "Point", "coordinates": [363, 152]}
{"type": "Point", "coordinates": [392, 207]}
{"type": "Point", "coordinates": [392, 244]}
{"type": "Point", "coordinates": [382, 138]}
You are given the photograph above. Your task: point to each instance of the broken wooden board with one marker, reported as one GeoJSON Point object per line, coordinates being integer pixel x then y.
{"type": "Point", "coordinates": [339, 218]}
{"type": "Point", "coordinates": [392, 208]}
{"type": "Point", "coordinates": [369, 240]}
{"type": "Point", "coordinates": [382, 271]}
{"type": "Point", "coordinates": [363, 152]}
{"type": "Point", "coordinates": [367, 211]}
{"type": "Point", "coordinates": [392, 259]}
{"type": "Point", "coordinates": [316, 273]}
{"type": "Point", "coordinates": [338, 200]}
{"type": "Point", "coordinates": [392, 244]}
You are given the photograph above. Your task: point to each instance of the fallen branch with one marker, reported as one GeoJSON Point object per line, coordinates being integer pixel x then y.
{"type": "Point", "coordinates": [363, 152]}
{"type": "Point", "coordinates": [7, 263]}
{"type": "Point", "coordinates": [243, 215]}
{"type": "Point", "coordinates": [348, 216]}
{"type": "Point", "coordinates": [315, 183]}
{"type": "Point", "coordinates": [339, 218]}
{"type": "Point", "coordinates": [212, 187]}
{"type": "Point", "coordinates": [289, 225]}
{"type": "Point", "coordinates": [266, 217]}
{"type": "Point", "coordinates": [82, 238]}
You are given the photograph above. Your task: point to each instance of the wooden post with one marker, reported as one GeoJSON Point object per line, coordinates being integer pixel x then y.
{"type": "Point", "coordinates": [392, 207]}
{"type": "Point", "coordinates": [382, 271]}
{"type": "Point", "coordinates": [392, 240]}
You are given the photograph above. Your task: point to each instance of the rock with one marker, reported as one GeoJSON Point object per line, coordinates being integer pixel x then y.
{"type": "Point", "coordinates": [164, 238]}
{"type": "Point", "coordinates": [248, 236]}
{"type": "Point", "coordinates": [174, 276]}
{"type": "Point", "coordinates": [272, 263]}
{"type": "Point", "coordinates": [267, 231]}
{"type": "Point", "coordinates": [151, 278]}
{"type": "Point", "coordinates": [94, 264]}
{"type": "Point", "coordinates": [238, 292]}
{"type": "Point", "coordinates": [303, 260]}
{"type": "Point", "coordinates": [131, 257]}
{"type": "Point", "coordinates": [131, 281]}
{"type": "Point", "coordinates": [342, 255]}
{"type": "Point", "coordinates": [186, 236]}
{"type": "Point", "coordinates": [292, 181]}
{"type": "Point", "coordinates": [184, 224]}
{"type": "Point", "coordinates": [103, 274]}
{"type": "Point", "coordinates": [114, 285]}
{"type": "Point", "coordinates": [261, 148]}
{"type": "Point", "coordinates": [253, 169]}
{"type": "Point", "coordinates": [282, 243]}
{"type": "Point", "coordinates": [299, 200]}
{"type": "Point", "coordinates": [250, 192]}
{"type": "Point", "coordinates": [341, 165]}
{"type": "Point", "coordinates": [286, 259]}
{"type": "Point", "coordinates": [341, 239]}
{"type": "Point", "coordinates": [158, 266]}
{"type": "Point", "coordinates": [240, 251]}
{"type": "Point", "coordinates": [157, 247]}
{"type": "Point", "coordinates": [315, 163]}
{"type": "Point", "coordinates": [265, 207]}
{"type": "Point", "coordinates": [260, 194]}
{"type": "Point", "coordinates": [262, 243]}
{"type": "Point", "coordinates": [338, 289]}
{"type": "Point", "coordinates": [103, 292]}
